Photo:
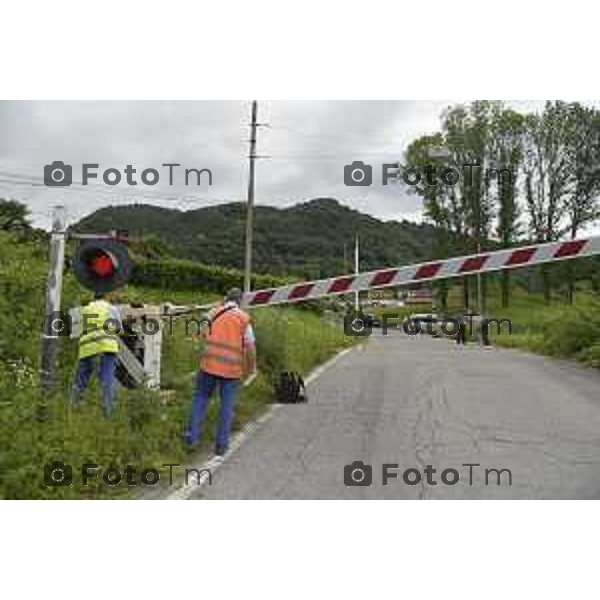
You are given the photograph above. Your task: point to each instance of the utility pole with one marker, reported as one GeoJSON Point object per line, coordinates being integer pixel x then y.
{"type": "Point", "coordinates": [250, 205]}
{"type": "Point", "coordinates": [53, 325]}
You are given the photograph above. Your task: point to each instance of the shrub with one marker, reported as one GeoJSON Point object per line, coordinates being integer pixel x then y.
{"type": "Point", "coordinates": [188, 275]}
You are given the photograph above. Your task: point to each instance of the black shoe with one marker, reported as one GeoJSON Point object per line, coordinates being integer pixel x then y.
{"type": "Point", "coordinates": [220, 451]}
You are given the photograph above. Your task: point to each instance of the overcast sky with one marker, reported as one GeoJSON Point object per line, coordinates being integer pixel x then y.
{"type": "Point", "coordinates": [305, 146]}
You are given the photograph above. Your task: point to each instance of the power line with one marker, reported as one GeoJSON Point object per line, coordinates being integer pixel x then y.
{"type": "Point", "coordinates": [100, 192]}
{"type": "Point", "coordinates": [28, 180]}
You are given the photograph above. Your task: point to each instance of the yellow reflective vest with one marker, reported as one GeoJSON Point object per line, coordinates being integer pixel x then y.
{"type": "Point", "coordinates": [97, 332]}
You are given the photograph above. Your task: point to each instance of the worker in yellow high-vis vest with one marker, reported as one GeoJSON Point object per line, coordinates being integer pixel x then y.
{"type": "Point", "coordinates": [98, 349]}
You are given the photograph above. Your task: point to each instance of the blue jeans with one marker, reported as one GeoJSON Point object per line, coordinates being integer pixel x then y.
{"type": "Point", "coordinates": [106, 374]}
{"type": "Point", "coordinates": [205, 384]}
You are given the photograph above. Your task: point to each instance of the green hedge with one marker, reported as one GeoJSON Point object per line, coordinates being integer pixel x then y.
{"type": "Point", "coordinates": [189, 275]}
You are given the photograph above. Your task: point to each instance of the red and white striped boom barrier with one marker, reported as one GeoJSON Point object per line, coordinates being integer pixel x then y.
{"type": "Point", "coordinates": [438, 269]}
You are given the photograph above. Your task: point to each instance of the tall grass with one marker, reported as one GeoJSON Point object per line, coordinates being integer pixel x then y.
{"type": "Point", "coordinates": [555, 329]}
{"type": "Point", "coordinates": [37, 428]}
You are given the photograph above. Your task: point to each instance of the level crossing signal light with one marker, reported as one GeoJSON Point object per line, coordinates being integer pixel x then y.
{"type": "Point", "coordinates": [102, 265]}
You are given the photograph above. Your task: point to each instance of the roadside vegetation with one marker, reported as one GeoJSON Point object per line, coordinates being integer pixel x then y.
{"type": "Point", "coordinates": [147, 431]}
{"type": "Point", "coordinates": [553, 327]}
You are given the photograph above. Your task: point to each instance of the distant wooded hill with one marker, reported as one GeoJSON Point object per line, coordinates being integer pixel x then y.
{"type": "Point", "coordinates": [306, 240]}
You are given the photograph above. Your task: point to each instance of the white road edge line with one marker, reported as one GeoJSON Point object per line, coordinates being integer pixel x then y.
{"type": "Point", "coordinates": [213, 464]}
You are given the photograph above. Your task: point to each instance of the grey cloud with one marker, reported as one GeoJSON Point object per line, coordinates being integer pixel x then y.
{"type": "Point", "coordinates": [304, 149]}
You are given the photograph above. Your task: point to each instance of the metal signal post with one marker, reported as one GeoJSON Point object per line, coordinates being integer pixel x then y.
{"type": "Point", "coordinates": [102, 264]}
{"type": "Point", "coordinates": [50, 333]}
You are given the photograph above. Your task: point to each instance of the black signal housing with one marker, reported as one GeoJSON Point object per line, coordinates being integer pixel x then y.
{"type": "Point", "coordinates": [102, 265]}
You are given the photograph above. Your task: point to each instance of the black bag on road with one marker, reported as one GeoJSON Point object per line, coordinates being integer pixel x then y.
{"type": "Point", "coordinates": [290, 388]}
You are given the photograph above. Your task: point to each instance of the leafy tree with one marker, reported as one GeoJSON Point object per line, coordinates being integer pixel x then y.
{"type": "Point", "coordinates": [583, 205]}
{"type": "Point", "coordinates": [547, 170]}
{"type": "Point", "coordinates": [440, 204]}
{"type": "Point", "coordinates": [562, 148]}
{"type": "Point", "coordinates": [545, 182]}
{"type": "Point", "coordinates": [465, 209]}
{"type": "Point", "coordinates": [468, 133]}
{"type": "Point", "coordinates": [507, 130]}
{"type": "Point", "coordinates": [13, 215]}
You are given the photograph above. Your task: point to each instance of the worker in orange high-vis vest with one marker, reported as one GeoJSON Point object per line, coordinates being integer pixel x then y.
{"type": "Point", "coordinates": [229, 355]}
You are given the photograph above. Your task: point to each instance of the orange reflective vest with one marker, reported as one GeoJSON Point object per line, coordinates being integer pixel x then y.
{"type": "Point", "coordinates": [224, 343]}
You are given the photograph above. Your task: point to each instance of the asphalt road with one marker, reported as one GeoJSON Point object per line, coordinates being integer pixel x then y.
{"type": "Point", "coordinates": [418, 402]}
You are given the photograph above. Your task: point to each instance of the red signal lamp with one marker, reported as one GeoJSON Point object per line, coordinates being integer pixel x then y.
{"type": "Point", "coordinates": [102, 265]}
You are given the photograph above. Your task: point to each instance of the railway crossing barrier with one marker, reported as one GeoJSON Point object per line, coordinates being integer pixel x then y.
{"type": "Point", "coordinates": [460, 266]}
